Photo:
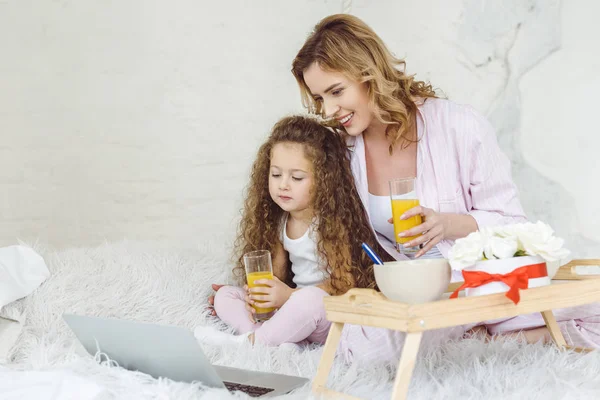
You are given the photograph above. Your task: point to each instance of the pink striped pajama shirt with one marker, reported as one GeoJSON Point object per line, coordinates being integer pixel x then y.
{"type": "Point", "coordinates": [460, 169]}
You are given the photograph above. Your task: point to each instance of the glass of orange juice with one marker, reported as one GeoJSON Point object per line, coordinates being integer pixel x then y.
{"type": "Point", "coordinates": [258, 266]}
{"type": "Point", "coordinates": [404, 197]}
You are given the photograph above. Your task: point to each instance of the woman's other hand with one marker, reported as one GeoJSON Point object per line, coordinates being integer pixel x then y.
{"type": "Point", "coordinates": [432, 231]}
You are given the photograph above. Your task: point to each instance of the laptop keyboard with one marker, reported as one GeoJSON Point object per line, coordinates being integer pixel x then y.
{"type": "Point", "coordinates": [252, 391]}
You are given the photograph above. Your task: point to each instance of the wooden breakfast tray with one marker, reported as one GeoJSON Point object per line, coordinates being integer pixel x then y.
{"type": "Point", "coordinates": [371, 308]}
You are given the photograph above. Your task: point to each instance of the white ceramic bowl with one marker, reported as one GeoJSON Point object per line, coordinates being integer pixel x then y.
{"type": "Point", "coordinates": [413, 281]}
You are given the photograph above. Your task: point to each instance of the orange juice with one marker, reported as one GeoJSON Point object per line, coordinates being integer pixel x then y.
{"type": "Point", "coordinates": [399, 207]}
{"type": "Point", "coordinates": [254, 276]}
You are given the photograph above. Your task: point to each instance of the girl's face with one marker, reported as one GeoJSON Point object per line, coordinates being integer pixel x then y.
{"type": "Point", "coordinates": [341, 98]}
{"type": "Point", "coordinates": [290, 177]}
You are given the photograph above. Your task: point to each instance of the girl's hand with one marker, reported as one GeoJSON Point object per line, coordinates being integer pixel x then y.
{"type": "Point", "coordinates": [211, 299]}
{"type": "Point", "coordinates": [432, 231]}
{"type": "Point", "coordinates": [249, 302]}
{"type": "Point", "coordinates": [274, 294]}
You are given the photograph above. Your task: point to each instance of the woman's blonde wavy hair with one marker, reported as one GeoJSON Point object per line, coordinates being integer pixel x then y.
{"type": "Point", "coordinates": [345, 44]}
{"type": "Point", "coordinates": [342, 222]}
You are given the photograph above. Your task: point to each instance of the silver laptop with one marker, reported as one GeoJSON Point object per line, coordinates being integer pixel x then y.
{"type": "Point", "coordinates": [172, 352]}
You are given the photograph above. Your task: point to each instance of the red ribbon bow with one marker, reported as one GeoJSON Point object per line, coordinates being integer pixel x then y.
{"type": "Point", "coordinates": [515, 280]}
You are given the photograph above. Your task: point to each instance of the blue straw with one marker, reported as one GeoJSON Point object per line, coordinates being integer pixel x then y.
{"type": "Point", "coordinates": [372, 254]}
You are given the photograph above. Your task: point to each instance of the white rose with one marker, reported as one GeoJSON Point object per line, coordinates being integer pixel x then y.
{"type": "Point", "coordinates": [538, 239]}
{"type": "Point", "coordinates": [503, 231]}
{"type": "Point", "coordinates": [552, 250]}
{"type": "Point", "coordinates": [467, 251]}
{"type": "Point", "coordinates": [500, 247]}
{"type": "Point", "coordinates": [533, 233]}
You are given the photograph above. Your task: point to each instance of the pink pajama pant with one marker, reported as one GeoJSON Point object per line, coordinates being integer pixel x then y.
{"type": "Point", "coordinates": [579, 325]}
{"type": "Point", "coordinates": [301, 319]}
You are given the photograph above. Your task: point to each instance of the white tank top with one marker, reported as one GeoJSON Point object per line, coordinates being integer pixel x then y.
{"type": "Point", "coordinates": [380, 208]}
{"type": "Point", "coordinates": [303, 254]}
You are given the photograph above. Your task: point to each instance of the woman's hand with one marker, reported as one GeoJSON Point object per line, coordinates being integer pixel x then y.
{"type": "Point", "coordinates": [436, 227]}
{"type": "Point", "coordinates": [433, 230]}
{"type": "Point", "coordinates": [211, 299]}
{"type": "Point", "coordinates": [274, 294]}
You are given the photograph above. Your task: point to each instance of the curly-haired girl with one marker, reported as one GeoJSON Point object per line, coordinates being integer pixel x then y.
{"type": "Point", "coordinates": [302, 206]}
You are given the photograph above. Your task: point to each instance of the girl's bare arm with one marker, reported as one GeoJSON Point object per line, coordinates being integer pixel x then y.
{"type": "Point", "coordinates": [280, 263]}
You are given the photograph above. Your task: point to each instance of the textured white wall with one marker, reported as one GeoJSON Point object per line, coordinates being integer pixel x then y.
{"type": "Point", "coordinates": [560, 135]}
{"type": "Point", "coordinates": [140, 119]}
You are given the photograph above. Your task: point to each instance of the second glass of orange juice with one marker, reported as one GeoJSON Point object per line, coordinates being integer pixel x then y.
{"type": "Point", "coordinates": [258, 266]}
{"type": "Point", "coordinates": [404, 197]}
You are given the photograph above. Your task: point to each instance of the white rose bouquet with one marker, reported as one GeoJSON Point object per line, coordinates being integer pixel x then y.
{"type": "Point", "coordinates": [507, 241]}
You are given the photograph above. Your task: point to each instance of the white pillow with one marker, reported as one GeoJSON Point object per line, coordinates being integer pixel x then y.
{"type": "Point", "coordinates": [22, 270]}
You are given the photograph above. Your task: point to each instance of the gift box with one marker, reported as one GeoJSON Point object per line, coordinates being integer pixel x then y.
{"type": "Point", "coordinates": [506, 259]}
{"type": "Point", "coordinates": [508, 276]}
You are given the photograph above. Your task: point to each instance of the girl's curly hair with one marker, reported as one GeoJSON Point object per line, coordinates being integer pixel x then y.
{"type": "Point", "coordinates": [344, 43]}
{"type": "Point", "coordinates": [342, 222]}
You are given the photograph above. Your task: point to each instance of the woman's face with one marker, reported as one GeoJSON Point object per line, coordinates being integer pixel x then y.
{"type": "Point", "coordinates": [341, 98]}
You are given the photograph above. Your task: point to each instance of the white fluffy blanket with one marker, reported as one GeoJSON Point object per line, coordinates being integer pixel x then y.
{"type": "Point", "coordinates": [154, 283]}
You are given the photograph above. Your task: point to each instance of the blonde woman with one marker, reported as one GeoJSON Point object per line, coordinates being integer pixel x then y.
{"type": "Point", "coordinates": [397, 127]}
